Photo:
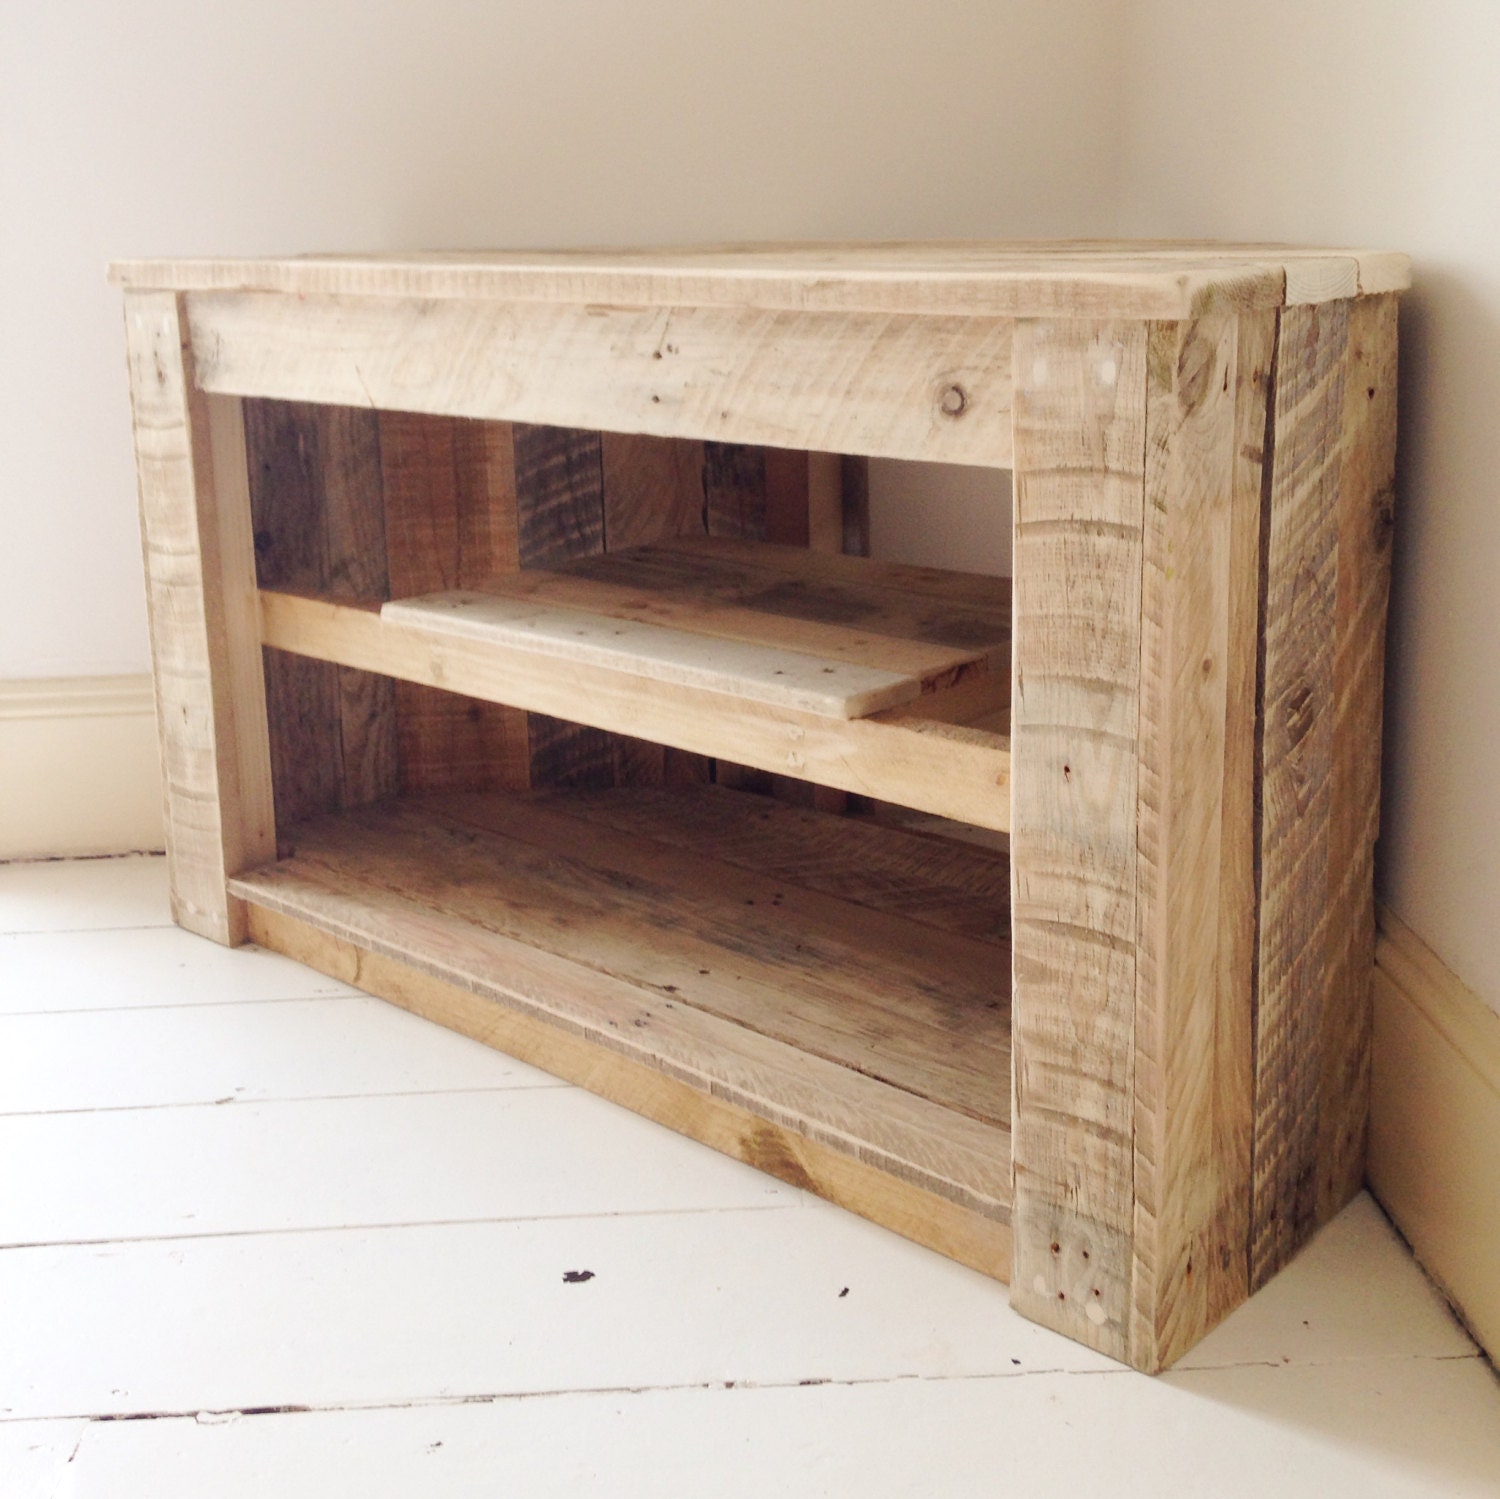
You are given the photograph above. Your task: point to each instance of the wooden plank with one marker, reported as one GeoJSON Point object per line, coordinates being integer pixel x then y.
{"type": "Point", "coordinates": [904, 755]}
{"type": "Point", "coordinates": [1080, 441]}
{"type": "Point", "coordinates": [790, 970]}
{"type": "Point", "coordinates": [661, 653]}
{"type": "Point", "coordinates": [1168, 280]}
{"type": "Point", "coordinates": [874, 1190]}
{"type": "Point", "coordinates": [1206, 407]}
{"type": "Point", "coordinates": [734, 490]}
{"type": "Point", "coordinates": [589, 586]}
{"type": "Point", "coordinates": [787, 497]}
{"type": "Point", "coordinates": [560, 508]}
{"type": "Point", "coordinates": [653, 488]}
{"type": "Point", "coordinates": [445, 888]}
{"type": "Point", "coordinates": [825, 502]}
{"type": "Point", "coordinates": [980, 592]}
{"type": "Point", "coordinates": [357, 569]}
{"type": "Point", "coordinates": [1366, 505]}
{"type": "Point", "coordinates": [791, 583]}
{"type": "Point", "coordinates": [288, 506]}
{"type": "Point", "coordinates": [854, 485]}
{"type": "Point", "coordinates": [450, 515]}
{"type": "Point", "coordinates": [955, 887]}
{"type": "Point", "coordinates": [1295, 770]}
{"type": "Point", "coordinates": [827, 382]}
{"type": "Point", "coordinates": [319, 525]}
{"type": "Point", "coordinates": [200, 578]}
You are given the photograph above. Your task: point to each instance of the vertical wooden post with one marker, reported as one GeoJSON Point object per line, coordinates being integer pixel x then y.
{"type": "Point", "coordinates": [1137, 553]}
{"type": "Point", "coordinates": [200, 588]}
{"type": "Point", "coordinates": [1080, 413]}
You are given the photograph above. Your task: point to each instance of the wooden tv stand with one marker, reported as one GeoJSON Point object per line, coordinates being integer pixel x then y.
{"type": "Point", "coordinates": [515, 661]}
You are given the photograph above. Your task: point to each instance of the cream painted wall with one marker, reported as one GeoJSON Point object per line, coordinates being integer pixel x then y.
{"type": "Point", "coordinates": [175, 127]}
{"type": "Point", "coordinates": [1376, 121]}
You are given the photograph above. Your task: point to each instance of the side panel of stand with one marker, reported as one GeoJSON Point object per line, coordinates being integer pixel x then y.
{"type": "Point", "coordinates": [200, 589]}
{"type": "Point", "coordinates": [1137, 547]}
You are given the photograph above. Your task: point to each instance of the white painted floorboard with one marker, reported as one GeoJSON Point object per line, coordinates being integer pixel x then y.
{"type": "Point", "coordinates": [379, 1226]}
{"type": "Point", "coordinates": [148, 967]}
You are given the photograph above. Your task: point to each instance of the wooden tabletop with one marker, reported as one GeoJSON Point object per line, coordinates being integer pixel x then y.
{"type": "Point", "coordinates": [1082, 278]}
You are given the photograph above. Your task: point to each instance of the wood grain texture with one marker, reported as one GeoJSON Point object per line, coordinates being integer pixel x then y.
{"type": "Point", "coordinates": [953, 886]}
{"type": "Point", "coordinates": [476, 1006]}
{"type": "Point", "coordinates": [649, 586]}
{"type": "Point", "coordinates": [734, 490]}
{"type": "Point", "coordinates": [770, 624]}
{"type": "Point", "coordinates": [200, 580]}
{"type": "Point", "coordinates": [1294, 773]}
{"type": "Point", "coordinates": [560, 504]}
{"type": "Point", "coordinates": [653, 488]}
{"type": "Point", "coordinates": [889, 755]}
{"type": "Point", "coordinates": [1080, 480]}
{"type": "Point", "coordinates": [291, 551]}
{"type": "Point", "coordinates": [1165, 279]}
{"type": "Point", "coordinates": [1206, 416]}
{"type": "Point", "coordinates": [667, 654]}
{"type": "Point", "coordinates": [1365, 512]}
{"type": "Point", "coordinates": [673, 957]}
{"type": "Point", "coordinates": [450, 514]}
{"type": "Point", "coordinates": [879, 385]}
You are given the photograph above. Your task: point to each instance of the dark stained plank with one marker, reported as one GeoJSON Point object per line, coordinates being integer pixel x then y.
{"type": "Point", "coordinates": [734, 490]}
{"type": "Point", "coordinates": [450, 514]}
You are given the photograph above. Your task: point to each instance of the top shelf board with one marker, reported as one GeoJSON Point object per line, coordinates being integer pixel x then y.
{"type": "Point", "coordinates": [1167, 279]}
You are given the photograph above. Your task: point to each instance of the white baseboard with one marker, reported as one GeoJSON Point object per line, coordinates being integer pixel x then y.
{"type": "Point", "coordinates": [79, 767]}
{"type": "Point", "coordinates": [1435, 1122]}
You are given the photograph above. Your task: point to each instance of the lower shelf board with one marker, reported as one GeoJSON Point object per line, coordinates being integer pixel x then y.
{"type": "Point", "coordinates": [824, 998]}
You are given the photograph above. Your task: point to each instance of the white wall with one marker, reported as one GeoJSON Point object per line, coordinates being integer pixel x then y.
{"type": "Point", "coordinates": [176, 127]}
{"type": "Point", "coordinates": [1376, 121]}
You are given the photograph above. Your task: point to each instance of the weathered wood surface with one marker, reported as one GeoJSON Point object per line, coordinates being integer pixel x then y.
{"type": "Point", "coordinates": [890, 755]}
{"type": "Point", "coordinates": [709, 970]}
{"type": "Point", "coordinates": [319, 519]}
{"type": "Point", "coordinates": [450, 513]}
{"type": "Point", "coordinates": [1328, 562]}
{"type": "Point", "coordinates": [881, 385]}
{"type": "Point", "coordinates": [1059, 278]}
{"type": "Point", "coordinates": [593, 1049]}
{"type": "Point", "coordinates": [1080, 443]}
{"type": "Point", "coordinates": [1366, 508]}
{"type": "Point", "coordinates": [1205, 424]}
{"type": "Point", "coordinates": [1294, 776]}
{"type": "Point", "coordinates": [652, 586]}
{"type": "Point", "coordinates": [955, 886]}
{"type": "Point", "coordinates": [757, 622]}
{"type": "Point", "coordinates": [661, 653]}
{"type": "Point", "coordinates": [200, 587]}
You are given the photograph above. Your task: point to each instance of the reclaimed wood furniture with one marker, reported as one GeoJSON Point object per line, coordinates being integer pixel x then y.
{"type": "Point", "coordinates": [490, 595]}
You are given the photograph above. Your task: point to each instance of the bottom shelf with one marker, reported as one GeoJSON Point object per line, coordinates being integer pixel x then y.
{"type": "Point", "coordinates": [823, 997]}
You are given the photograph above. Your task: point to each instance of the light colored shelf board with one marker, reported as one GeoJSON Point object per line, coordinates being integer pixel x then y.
{"type": "Point", "coordinates": [660, 653]}
{"type": "Point", "coordinates": [770, 624]}
{"type": "Point", "coordinates": [878, 1036]}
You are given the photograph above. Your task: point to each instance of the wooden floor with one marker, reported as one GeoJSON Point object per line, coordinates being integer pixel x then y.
{"type": "Point", "coordinates": [263, 1235]}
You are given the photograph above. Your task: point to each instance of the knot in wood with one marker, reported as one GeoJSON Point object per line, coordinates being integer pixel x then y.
{"type": "Point", "coordinates": [953, 401]}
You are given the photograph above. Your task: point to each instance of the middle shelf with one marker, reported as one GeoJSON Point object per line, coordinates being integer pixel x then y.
{"type": "Point", "coordinates": [874, 678]}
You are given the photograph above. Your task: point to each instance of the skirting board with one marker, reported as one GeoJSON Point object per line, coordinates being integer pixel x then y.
{"type": "Point", "coordinates": [1435, 1122]}
{"type": "Point", "coordinates": [79, 767]}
